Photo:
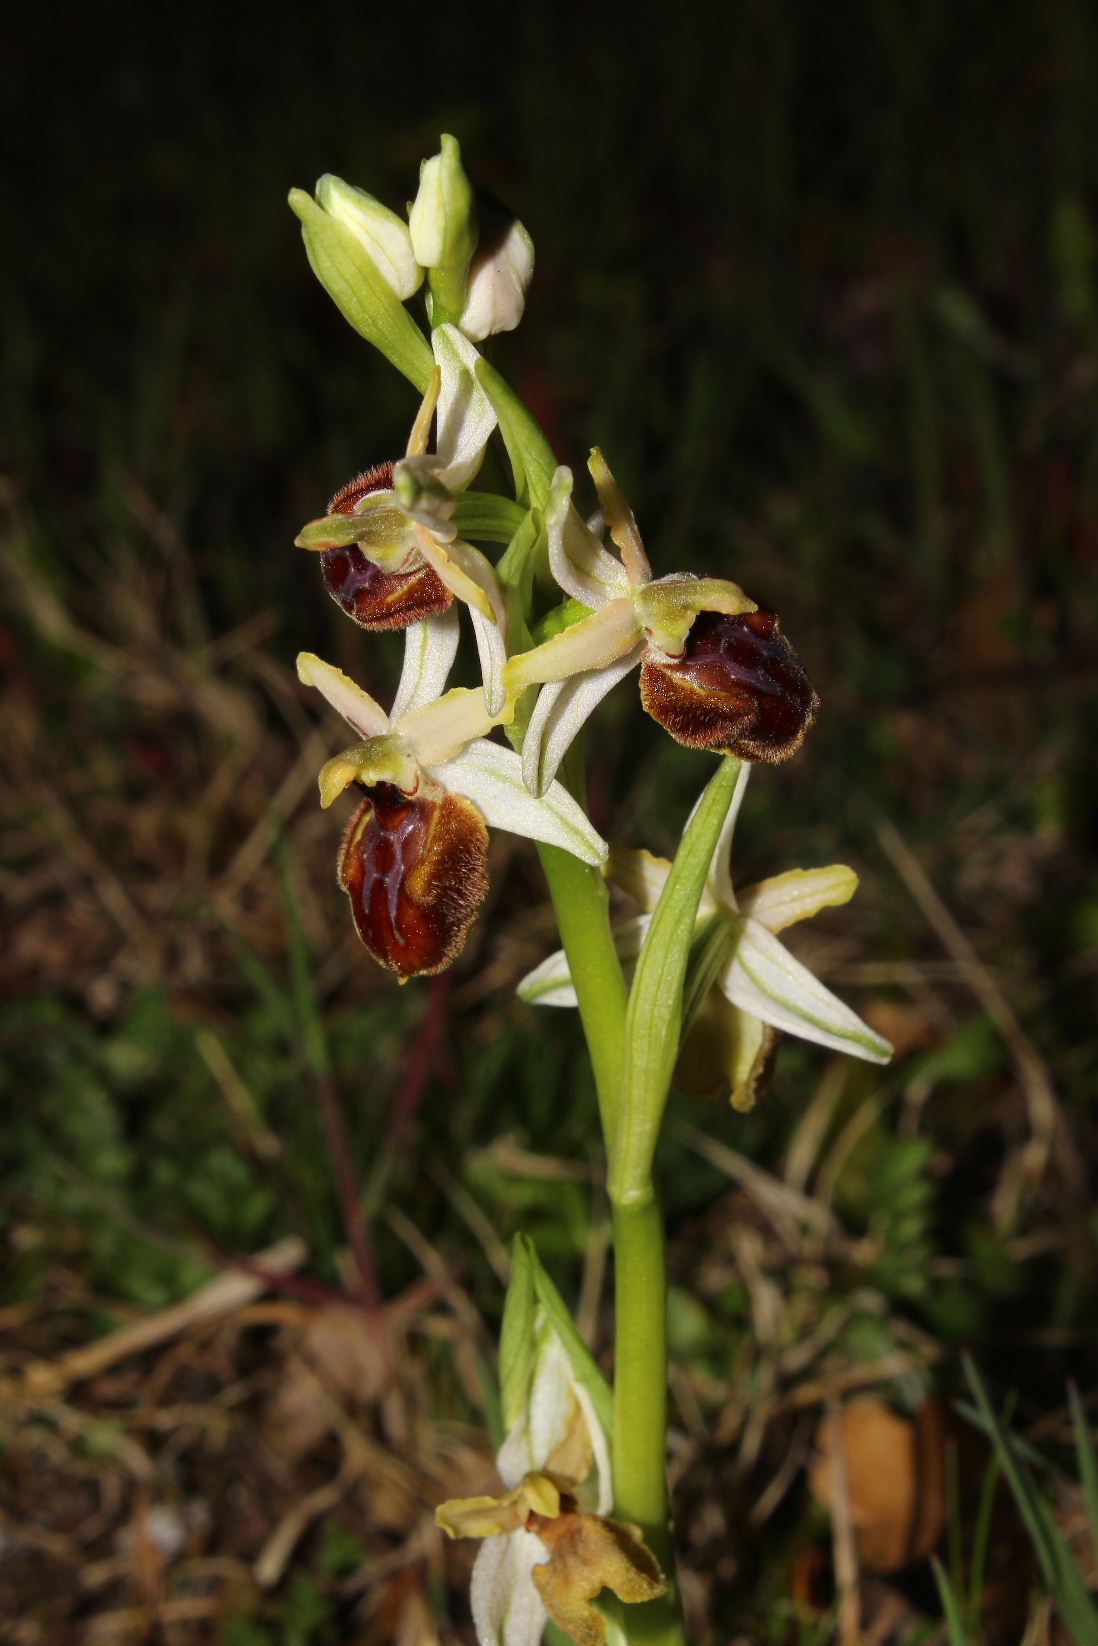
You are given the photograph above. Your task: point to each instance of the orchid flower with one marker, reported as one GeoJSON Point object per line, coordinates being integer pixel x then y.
{"type": "Point", "coordinates": [390, 554]}
{"type": "Point", "coordinates": [550, 1546]}
{"type": "Point", "coordinates": [759, 987]}
{"type": "Point", "coordinates": [413, 859]}
{"type": "Point", "coordinates": [716, 671]}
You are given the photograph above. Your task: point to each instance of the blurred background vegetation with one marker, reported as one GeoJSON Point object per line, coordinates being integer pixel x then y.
{"type": "Point", "coordinates": [820, 281]}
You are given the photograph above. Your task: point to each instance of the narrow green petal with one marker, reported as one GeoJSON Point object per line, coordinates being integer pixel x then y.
{"type": "Point", "coordinates": [640, 874]}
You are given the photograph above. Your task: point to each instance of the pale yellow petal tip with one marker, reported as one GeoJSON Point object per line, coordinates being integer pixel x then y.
{"type": "Point", "coordinates": [308, 664]}
{"type": "Point", "coordinates": [798, 894]}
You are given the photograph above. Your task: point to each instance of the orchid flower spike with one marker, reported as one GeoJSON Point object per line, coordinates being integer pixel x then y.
{"type": "Point", "coordinates": [550, 1546]}
{"type": "Point", "coordinates": [414, 857]}
{"type": "Point", "coordinates": [716, 671]}
{"type": "Point", "coordinates": [758, 988]}
{"type": "Point", "coordinates": [389, 552]}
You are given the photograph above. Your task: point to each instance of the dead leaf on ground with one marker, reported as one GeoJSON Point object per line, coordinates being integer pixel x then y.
{"type": "Point", "coordinates": [896, 1475]}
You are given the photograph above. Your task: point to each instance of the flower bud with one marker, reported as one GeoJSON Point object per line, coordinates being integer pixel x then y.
{"type": "Point", "coordinates": [738, 688]}
{"type": "Point", "coordinates": [383, 234]}
{"type": "Point", "coordinates": [499, 273]}
{"type": "Point", "coordinates": [374, 596]}
{"type": "Point", "coordinates": [414, 868]}
{"type": "Point", "coordinates": [442, 220]}
{"type": "Point", "coordinates": [360, 286]}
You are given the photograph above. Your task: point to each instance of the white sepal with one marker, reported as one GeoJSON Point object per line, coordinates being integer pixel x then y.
{"type": "Point", "coordinates": [719, 883]}
{"type": "Point", "coordinates": [507, 1609]}
{"type": "Point", "coordinates": [357, 707]}
{"type": "Point", "coordinates": [491, 777]}
{"type": "Point", "coordinates": [466, 417]}
{"type": "Point", "coordinates": [578, 561]}
{"type": "Point", "coordinates": [550, 984]}
{"type": "Point", "coordinates": [429, 651]}
{"type": "Point", "coordinates": [763, 978]}
{"type": "Point", "coordinates": [560, 711]}
{"type": "Point", "coordinates": [490, 630]}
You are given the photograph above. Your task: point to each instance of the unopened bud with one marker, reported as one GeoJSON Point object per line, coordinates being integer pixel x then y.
{"type": "Point", "coordinates": [442, 220]}
{"type": "Point", "coordinates": [383, 234]}
{"type": "Point", "coordinates": [499, 273]}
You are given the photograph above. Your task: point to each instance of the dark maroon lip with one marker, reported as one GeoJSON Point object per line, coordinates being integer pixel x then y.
{"type": "Point", "coordinates": [377, 599]}
{"type": "Point", "coordinates": [414, 869]}
{"type": "Point", "coordinates": [738, 688]}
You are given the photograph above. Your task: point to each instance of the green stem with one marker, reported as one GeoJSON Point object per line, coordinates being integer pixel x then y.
{"type": "Point", "coordinates": [640, 1407]}
{"type": "Point", "coordinates": [581, 905]}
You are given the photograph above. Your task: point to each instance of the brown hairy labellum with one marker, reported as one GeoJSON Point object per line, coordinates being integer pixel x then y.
{"type": "Point", "coordinates": [374, 598]}
{"type": "Point", "coordinates": [738, 688]}
{"type": "Point", "coordinates": [414, 868]}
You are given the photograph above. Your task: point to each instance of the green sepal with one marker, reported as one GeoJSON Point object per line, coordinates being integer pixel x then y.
{"type": "Point", "coordinates": [529, 1292]}
{"type": "Point", "coordinates": [360, 292]}
{"type": "Point", "coordinates": [654, 1016]}
{"type": "Point", "coordinates": [486, 517]}
{"type": "Point", "coordinates": [532, 460]}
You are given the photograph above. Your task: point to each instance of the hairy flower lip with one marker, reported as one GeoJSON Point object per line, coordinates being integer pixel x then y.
{"type": "Point", "coordinates": [453, 784]}
{"type": "Point", "coordinates": [738, 687]}
{"type": "Point", "coordinates": [415, 870]}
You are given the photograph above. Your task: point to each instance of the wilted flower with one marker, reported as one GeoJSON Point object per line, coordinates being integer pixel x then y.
{"type": "Point", "coordinates": [550, 1545]}
{"type": "Point", "coordinates": [759, 987]}
{"type": "Point", "coordinates": [716, 671]}
{"type": "Point", "coordinates": [414, 856]}
{"type": "Point", "coordinates": [390, 554]}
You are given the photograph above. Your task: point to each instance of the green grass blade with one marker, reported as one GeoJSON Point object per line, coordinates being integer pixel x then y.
{"type": "Point", "coordinates": [1061, 1574]}
{"type": "Point", "coordinates": [1088, 1464]}
{"type": "Point", "coordinates": [951, 1609]}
